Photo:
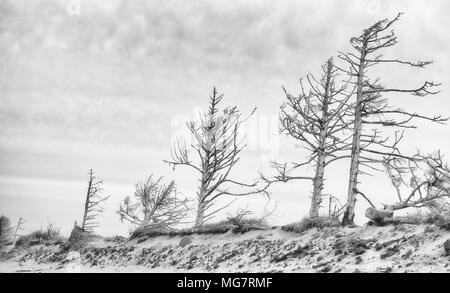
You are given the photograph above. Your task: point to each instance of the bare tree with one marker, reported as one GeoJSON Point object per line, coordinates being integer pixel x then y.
{"type": "Point", "coordinates": [243, 217]}
{"type": "Point", "coordinates": [335, 208]}
{"type": "Point", "coordinates": [18, 228]}
{"type": "Point", "coordinates": [217, 148]}
{"type": "Point", "coordinates": [156, 204]}
{"type": "Point", "coordinates": [422, 181]}
{"type": "Point", "coordinates": [239, 216]}
{"type": "Point", "coordinates": [92, 204]}
{"type": "Point", "coordinates": [426, 176]}
{"type": "Point", "coordinates": [372, 109]}
{"type": "Point", "coordinates": [318, 119]}
{"type": "Point", "coordinates": [6, 231]}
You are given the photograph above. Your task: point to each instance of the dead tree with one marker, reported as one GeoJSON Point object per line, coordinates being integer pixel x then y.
{"type": "Point", "coordinates": [217, 149]}
{"type": "Point", "coordinates": [335, 208]}
{"type": "Point", "coordinates": [18, 228]}
{"type": "Point", "coordinates": [427, 178]}
{"type": "Point", "coordinates": [238, 218]}
{"type": "Point", "coordinates": [244, 217]}
{"type": "Point", "coordinates": [155, 204]}
{"type": "Point", "coordinates": [92, 204]}
{"type": "Point", "coordinates": [318, 118]}
{"type": "Point", "coordinates": [6, 231]}
{"type": "Point", "coordinates": [422, 181]}
{"type": "Point", "coordinates": [372, 109]}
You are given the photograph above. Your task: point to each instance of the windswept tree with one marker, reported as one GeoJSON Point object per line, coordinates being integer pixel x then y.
{"type": "Point", "coordinates": [92, 204]}
{"type": "Point", "coordinates": [426, 178]}
{"type": "Point", "coordinates": [217, 147]}
{"type": "Point", "coordinates": [18, 227]}
{"type": "Point", "coordinates": [318, 119]}
{"type": "Point", "coordinates": [154, 204]}
{"type": "Point", "coordinates": [6, 231]}
{"type": "Point", "coordinates": [422, 181]}
{"type": "Point", "coordinates": [372, 109]}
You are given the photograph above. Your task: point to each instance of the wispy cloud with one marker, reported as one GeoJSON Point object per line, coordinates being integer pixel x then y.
{"type": "Point", "coordinates": [119, 74]}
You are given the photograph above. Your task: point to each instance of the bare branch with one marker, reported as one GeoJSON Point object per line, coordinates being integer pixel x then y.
{"type": "Point", "coordinates": [92, 207]}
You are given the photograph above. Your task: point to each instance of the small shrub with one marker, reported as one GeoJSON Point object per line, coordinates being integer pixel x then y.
{"type": "Point", "coordinates": [309, 223]}
{"type": "Point", "coordinates": [154, 204]}
{"type": "Point", "coordinates": [239, 223]}
{"type": "Point", "coordinates": [242, 221]}
{"type": "Point", "coordinates": [214, 228]}
{"type": "Point", "coordinates": [148, 231]}
{"type": "Point", "coordinates": [79, 238]}
{"type": "Point", "coordinates": [50, 235]}
{"type": "Point", "coordinates": [413, 218]}
{"type": "Point", "coordinates": [115, 239]}
{"type": "Point", "coordinates": [441, 220]}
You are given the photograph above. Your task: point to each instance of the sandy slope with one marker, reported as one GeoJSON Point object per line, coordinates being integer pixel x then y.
{"type": "Point", "coordinates": [401, 248]}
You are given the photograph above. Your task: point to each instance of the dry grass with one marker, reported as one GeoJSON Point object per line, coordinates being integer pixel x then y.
{"type": "Point", "coordinates": [418, 218]}
{"type": "Point", "coordinates": [50, 235]}
{"type": "Point", "coordinates": [307, 223]}
{"type": "Point", "coordinates": [150, 231]}
{"type": "Point", "coordinates": [235, 225]}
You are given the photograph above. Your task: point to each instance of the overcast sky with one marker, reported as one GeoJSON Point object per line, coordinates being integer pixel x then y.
{"type": "Point", "coordinates": [107, 85]}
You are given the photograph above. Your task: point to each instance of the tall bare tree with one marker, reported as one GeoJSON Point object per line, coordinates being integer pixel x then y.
{"type": "Point", "coordinates": [156, 204]}
{"type": "Point", "coordinates": [318, 118]}
{"type": "Point", "coordinates": [372, 108]}
{"type": "Point", "coordinates": [92, 204]}
{"type": "Point", "coordinates": [217, 149]}
{"type": "Point", "coordinates": [18, 227]}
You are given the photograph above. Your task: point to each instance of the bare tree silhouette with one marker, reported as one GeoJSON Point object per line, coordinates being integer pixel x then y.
{"type": "Point", "coordinates": [426, 176]}
{"type": "Point", "coordinates": [92, 207]}
{"type": "Point", "coordinates": [156, 204]}
{"type": "Point", "coordinates": [318, 118]}
{"type": "Point", "coordinates": [18, 227]}
{"type": "Point", "coordinates": [422, 181]}
{"type": "Point", "coordinates": [372, 109]}
{"type": "Point", "coordinates": [217, 148]}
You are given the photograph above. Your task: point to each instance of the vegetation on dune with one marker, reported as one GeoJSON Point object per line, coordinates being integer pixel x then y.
{"type": "Point", "coordinates": [345, 114]}
{"type": "Point", "coordinates": [48, 235]}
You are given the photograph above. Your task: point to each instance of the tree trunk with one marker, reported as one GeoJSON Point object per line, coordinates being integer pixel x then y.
{"type": "Point", "coordinates": [318, 187]}
{"type": "Point", "coordinates": [200, 215]}
{"type": "Point", "coordinates": [201, 204]}
{"type": "Point", "coordinates": [321, 156]}
{"type": "Point", "coordinates": [349, 215]}
{"type": "Point", "coordinates": [86, 203]}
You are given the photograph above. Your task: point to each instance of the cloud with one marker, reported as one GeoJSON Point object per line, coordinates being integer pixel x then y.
{"type": "Point", "coordinates": [91, 89]}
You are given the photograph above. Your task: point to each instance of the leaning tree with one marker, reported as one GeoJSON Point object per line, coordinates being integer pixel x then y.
{"type": "Point", "coordinates": [217, 147]}
{"type": "Point", "coordinates": [372, 109]}
{"type": "Point", "coordinates": [422, 181]}
{"type": "Point", "coordinates": [92, 203]}
{"type": "Point", "coordinates": [318, 119]}
{"type": "Point", "coordinates": [154, 204]}
{"type": "Point", "coordinates": [18, 227]}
